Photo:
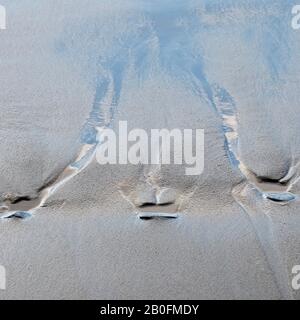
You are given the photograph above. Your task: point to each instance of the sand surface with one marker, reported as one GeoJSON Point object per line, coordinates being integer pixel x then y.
{"type": "Point", "coordinates": [72, 228]}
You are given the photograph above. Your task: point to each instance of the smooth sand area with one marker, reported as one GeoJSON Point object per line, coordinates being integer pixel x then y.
{"type": "Point", "coordinates": [72, 228]}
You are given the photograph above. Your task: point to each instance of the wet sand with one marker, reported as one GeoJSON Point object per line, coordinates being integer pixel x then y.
{"type": "Point", "coordinates": [72, 228]}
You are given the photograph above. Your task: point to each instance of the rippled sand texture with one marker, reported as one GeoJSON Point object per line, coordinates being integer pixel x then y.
{"type": "Point", "coordinates": [72, 228]}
